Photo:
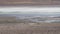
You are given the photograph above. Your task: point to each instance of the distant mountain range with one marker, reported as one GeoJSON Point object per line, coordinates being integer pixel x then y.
{"type": "Point", "coordinates": [31, 13]}
{"type": "Point", "coordinates": [32, 18]}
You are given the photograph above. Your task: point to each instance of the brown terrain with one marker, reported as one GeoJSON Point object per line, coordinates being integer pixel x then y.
{"type": "Point", "coordinates": [7, 19]}
{"type": "Point", "coordinates": [30, 28]}
{"type": "Point", "coordinates": [27, 28]}
{"type": "Point", "coordinates": [29, 2]}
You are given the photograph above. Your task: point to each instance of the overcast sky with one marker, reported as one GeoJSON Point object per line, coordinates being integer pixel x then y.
{"type": "Point", "coordinates": [30, 9]}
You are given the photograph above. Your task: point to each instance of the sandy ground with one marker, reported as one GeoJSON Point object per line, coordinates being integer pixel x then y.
{"type": "Point", "coordinates": [30, 28]}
